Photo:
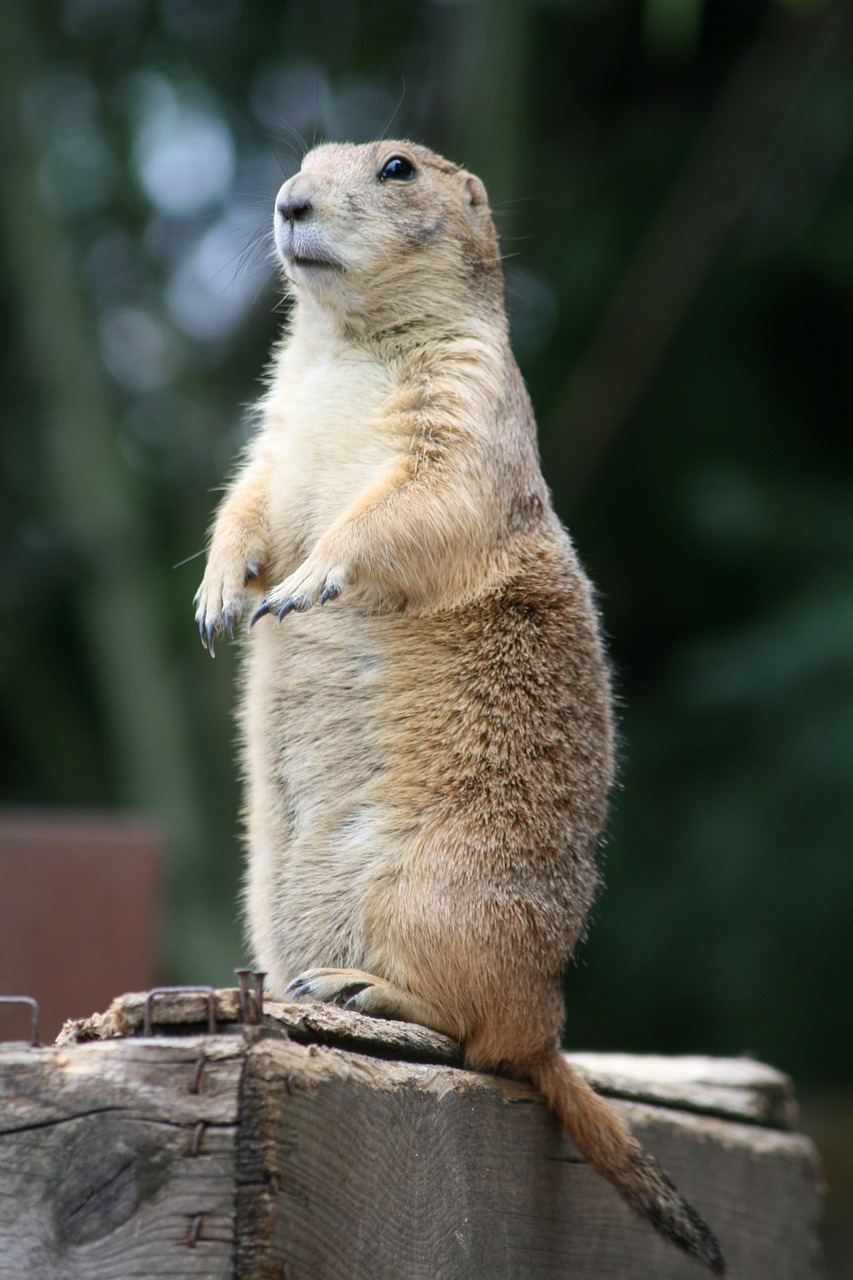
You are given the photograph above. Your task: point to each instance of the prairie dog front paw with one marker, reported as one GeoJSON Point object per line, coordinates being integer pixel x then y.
{"type": "Point", "coordinates": [220, 600]}
{"type": "Point", "coordinates": [313, 583]}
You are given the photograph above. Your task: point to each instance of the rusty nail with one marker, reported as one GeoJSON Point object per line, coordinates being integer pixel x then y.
{"type": "Point", "coordinates": [195, 1230]}
{"type": "Point", "coordinates": [259, 976]}
{"type": "Point", "coordinates": [195, 1148]}
{"type": "Point", "coordinates": [243, 979]}
{"type": "Point", "coordinates": [197, 1074]}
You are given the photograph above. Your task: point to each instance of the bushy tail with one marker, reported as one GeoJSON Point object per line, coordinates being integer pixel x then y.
{"type": "Point", "coordinates": [609, 1148]}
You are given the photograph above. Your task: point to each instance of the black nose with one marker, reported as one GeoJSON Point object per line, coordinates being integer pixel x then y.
{"type": "Point", "coordinates": [293, 209]}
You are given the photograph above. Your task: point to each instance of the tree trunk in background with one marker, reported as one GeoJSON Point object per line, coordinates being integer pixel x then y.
{"type": "Point", "coordinates": [88, 493]}
{"type": "Point", "coordinates": [485, 96]}
{"type": "Point", "coordinates": [743, 140]}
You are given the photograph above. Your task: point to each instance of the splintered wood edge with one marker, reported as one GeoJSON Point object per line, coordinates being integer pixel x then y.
{"type": "Point", "coordinates": [181, 1010]}
{"type": "Point", "coordinates": [729, 1088]}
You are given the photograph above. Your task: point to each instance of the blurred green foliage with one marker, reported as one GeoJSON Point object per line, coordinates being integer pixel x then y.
{"type": "Point", "coordinates": [674, 187]}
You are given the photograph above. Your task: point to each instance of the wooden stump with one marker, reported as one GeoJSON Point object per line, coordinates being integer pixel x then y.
{"type": "Point", "coordinates": [323, 1145]}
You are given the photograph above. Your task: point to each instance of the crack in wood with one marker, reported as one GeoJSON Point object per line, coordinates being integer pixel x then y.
{"type": "Point", "coordinates": [92, 1192]}
{"type": "Point", "coordinates": [35, 1125]}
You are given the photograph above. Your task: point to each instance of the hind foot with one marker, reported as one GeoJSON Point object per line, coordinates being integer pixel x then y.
{"type": "Point", "coordinates": [365, 992]}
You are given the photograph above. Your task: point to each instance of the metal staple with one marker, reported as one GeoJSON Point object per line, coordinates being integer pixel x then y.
{"type": "Point", "coordinates": [194, 1230]}
{"type": "Point", "coordinates": [33, 1006]}
{"type": "Point", "coordinates": [163, 991]}
{"type": "Point", "coordinates": [195, 1087]}
{"type": "Point", "coordinates": [195, 1145]}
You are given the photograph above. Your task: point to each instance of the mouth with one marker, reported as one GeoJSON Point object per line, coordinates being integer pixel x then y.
{"type": "Point", "coordinates": [301, 246]}
{"type": "Point", "coordinates": [311, 262]}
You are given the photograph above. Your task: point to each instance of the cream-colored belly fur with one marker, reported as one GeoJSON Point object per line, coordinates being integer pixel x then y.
{"type": "Point", "coordinates": [314, 759]}
{"type": "Point", "coordinates": [323, 441]}
{"type": "Point", "coordinates": [313, 688]}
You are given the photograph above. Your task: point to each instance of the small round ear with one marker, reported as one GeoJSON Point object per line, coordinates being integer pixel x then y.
{"type": "Point", "coordinates": [476, 191]}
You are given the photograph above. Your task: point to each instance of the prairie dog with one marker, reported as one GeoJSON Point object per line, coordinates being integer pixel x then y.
{"type": "Point", "coordinates": [426, 718]}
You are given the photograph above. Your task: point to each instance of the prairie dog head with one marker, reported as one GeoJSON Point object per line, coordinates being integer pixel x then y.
{"type": "Point", "coordinates": [387, 233]}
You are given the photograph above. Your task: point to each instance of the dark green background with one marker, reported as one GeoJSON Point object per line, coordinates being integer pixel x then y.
{"type": "Point", "coordinates": [673, 184]}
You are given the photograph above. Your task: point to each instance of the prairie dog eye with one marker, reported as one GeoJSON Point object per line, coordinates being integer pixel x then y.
{"type": "Point", "coordinates": [397, 169]}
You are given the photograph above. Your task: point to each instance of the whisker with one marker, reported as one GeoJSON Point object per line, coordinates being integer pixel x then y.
{"type": "Point", "coordinates": [243, 258]}
{"type": "Point", "coordinates": [301, 146]}
{"type": "Point", "coordinates": [294, 159]}
{"type": "Point", "coordinates": [383, 133]}
{"type": "Point", "coordinates": [195, 555]}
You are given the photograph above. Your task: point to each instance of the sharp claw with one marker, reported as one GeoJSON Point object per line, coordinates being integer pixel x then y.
{"type": "Point", "coordinates": [229, 623]}
{"type": "Point", "coordinates": [287, 607]}
{"type": "Point", "coordinates": [330, 593]}
{"type": "Point", "coordinates": [211, 638]}
{"type": "Point", "coordinates": [201, 634]}
{"type": "Point", "coordinates": [260, 612]}
{"type": "Point", "coordinates": [295, 988]}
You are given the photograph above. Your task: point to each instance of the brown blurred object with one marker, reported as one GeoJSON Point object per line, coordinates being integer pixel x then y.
{"type": "Point", "coordinates": [80, 898]}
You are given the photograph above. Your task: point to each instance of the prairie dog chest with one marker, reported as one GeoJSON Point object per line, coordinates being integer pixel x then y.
{"type": "Point", "coordinates": [325, 433]}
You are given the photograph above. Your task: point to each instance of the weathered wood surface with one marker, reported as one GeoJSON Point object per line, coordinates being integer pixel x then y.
{"type": "Point", "coordinates": [733, 1088]}
{"type": "Point", "coordinates": [104, 1170]}
{"type": "Point", "coordinates": [310, 1023]}
{"type": "Point", "coordinates": [426, 1171]}
{"type": "Point", "coordinates": [303, 1149]}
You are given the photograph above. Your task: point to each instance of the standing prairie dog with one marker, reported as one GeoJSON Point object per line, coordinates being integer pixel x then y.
{"type": "Point", "coordinates": [426, 721]}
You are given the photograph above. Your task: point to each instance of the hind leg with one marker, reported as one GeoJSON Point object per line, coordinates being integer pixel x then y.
{"type": "Point", "coordinates": [367, 993]}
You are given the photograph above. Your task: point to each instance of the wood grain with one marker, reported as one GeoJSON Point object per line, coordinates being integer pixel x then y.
{"type": "Point", "coordinates": [385, 1170]}
{"type": "Point", "coordinates": [324, 1145]}
{"type": "Point", "coordinates": [110, 1164]}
